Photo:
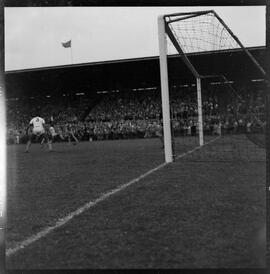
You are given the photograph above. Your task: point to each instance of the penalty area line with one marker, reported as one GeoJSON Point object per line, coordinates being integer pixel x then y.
{"type": "Point", "coordinates": [62, 221]}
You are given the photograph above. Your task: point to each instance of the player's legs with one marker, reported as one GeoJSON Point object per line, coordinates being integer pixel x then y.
{"type": "Point", "coordinates": [49, 140]}
{"type": "Point", "coordinates": [159, 134]}
{"type": "Point", "coordinates": [50, 145]}
{"type": "Point", "coordinates": [31, 137]}
{"type": "Point", "coordinates": [71, 134]}
{"type": "Point", "coordinates": [74, 137]}
{"type": "Point", "coordinates": [42, 142]}
{"type": "Point", "coordinates": [28, 144]}
{"type": "Point", "coordinates": [69, 139]}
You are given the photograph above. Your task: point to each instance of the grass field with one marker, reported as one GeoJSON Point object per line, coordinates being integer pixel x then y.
{"type": "Point", "coordinates": [188, 214]}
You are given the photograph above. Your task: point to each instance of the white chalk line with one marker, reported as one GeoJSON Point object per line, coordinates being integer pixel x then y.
{"type": "Point", "coordinates": [62, 221]}
{"type": "Point", "coordinates": [196, 148]}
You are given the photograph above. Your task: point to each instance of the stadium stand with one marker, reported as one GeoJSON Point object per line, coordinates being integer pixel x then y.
{"type": "Point", "coordinates": [128, 103]}
{"type": "Point", "coordinates": [136, 114]}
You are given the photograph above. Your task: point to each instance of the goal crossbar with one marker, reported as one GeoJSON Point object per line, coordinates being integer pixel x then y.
{"type": "Point", "coordinates": [192, 13]}
{"type": "Point", "coordinates": [169, 25]}
{"type": "Point", "coordinates": [188, 15]}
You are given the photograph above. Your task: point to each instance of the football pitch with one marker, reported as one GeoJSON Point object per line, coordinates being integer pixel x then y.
{"type": "Point", "coordinates": [115, 204]}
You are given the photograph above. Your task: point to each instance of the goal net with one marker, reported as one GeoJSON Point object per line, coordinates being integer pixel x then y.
{"type": "Point", "coordinates": [213, 90]}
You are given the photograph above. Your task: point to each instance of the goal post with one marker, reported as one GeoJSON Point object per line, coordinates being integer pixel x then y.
{"type": "Point", "coordinates": [162, 32]}
{"type": "Point", "coordinates": [200, 117]}
{"type": "Point", "coordinates": [184, 34]}
{"type": "Point", "coordinates": [165, 91]}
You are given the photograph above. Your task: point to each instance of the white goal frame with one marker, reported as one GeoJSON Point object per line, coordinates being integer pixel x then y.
{"type": "Point", "coordinates": [163, 32]}
{"type": "Point", "coordinates": [165, 94]}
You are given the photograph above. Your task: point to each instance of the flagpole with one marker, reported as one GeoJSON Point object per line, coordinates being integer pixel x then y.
{"type": "Point", "coordinates": [68, 44]}
{"type": "Point", "coordinates": [71, 55]}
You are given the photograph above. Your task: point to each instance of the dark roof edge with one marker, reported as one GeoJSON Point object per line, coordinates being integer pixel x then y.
{"type": "Point", "coordinates": [119, 61]}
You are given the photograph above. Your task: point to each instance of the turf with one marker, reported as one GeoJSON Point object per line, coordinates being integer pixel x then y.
{"type": "Point", "coordinates": [189, 214]}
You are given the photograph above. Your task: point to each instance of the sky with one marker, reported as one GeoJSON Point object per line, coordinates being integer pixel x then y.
{"type": "Point", "coordinates": [34, 36]}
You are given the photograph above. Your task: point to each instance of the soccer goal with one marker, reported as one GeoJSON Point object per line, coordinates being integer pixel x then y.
{"type": "Point", "coordinates": [211, 86]}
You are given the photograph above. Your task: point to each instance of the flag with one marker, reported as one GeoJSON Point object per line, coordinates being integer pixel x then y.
{"type": "Point", "coordinates": [67, 44]}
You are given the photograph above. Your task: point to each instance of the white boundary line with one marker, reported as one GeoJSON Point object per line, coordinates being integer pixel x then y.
{"type": "Point", "coordinates": [196, 148]}
{"type": "Point", "coordinates": [61, 221]}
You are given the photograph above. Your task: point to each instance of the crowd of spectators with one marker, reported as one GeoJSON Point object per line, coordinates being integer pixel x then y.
{"type": "Point", "coordinates": [137, 115]}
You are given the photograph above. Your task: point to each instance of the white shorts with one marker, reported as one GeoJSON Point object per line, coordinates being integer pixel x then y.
{"type": "Point", "coordinates": [37, 131]}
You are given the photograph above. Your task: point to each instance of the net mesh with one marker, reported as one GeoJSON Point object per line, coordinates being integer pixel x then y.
{"type": "Point", "coordinates": [233, 106]}
{"type": "Point", "coordinates": [233, 131]}
{"type": "Point", "coordinates": [199, 34]}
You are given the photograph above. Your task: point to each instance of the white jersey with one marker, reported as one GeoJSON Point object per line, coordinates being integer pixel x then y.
{"type": "Point", "coordinates": [38, 125]}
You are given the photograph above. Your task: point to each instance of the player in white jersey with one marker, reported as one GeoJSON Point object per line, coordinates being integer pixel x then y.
{"type": "Point", "coordinates": [38, 131]}
{"type": "Point", "coordinates": [38, 124]}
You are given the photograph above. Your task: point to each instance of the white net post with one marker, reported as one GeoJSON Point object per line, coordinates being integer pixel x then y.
{"type": "Point", "coordinates": [165, 90]}
{"type": "Point", "coordinates": [204, 34]}
{"type": "Point", "coordinates": [200, 117]}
